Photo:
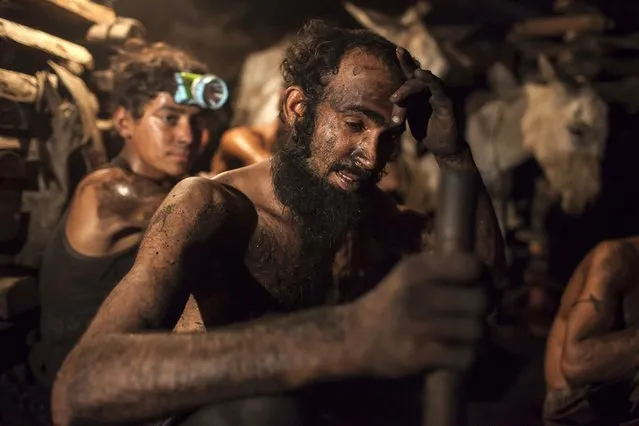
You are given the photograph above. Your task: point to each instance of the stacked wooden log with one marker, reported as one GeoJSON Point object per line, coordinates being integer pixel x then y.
{"type": "Point", "coordinates": [50, 110]}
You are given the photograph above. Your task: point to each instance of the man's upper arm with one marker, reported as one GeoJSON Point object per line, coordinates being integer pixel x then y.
{"type": "Point", "coordinates": [594, 311]}
{"type": "Point", "coordinates": [153, 293]}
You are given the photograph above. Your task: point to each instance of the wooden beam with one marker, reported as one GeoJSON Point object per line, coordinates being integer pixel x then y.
{"type": "Point", "coordinates": [24, 88]}
{"type": "Point", "coordinates": [7, 142]}
{"type": "Point", "coordinates": [48, 43]}
{"type": "Point", "coordinates": [18, 87]}
{"type": "Point", "coordinates": [86, 10]}
{"type": "Point", "coordinates": [117, 32]}
{"type": "Point", "coordinates": [552, 26]}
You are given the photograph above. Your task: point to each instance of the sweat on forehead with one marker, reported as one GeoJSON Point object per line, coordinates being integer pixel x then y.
{"type": "Point", "coordinates": [362, 74]}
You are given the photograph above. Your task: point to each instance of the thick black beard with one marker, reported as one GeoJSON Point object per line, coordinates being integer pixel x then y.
{"type": "Point", "coordinates": [325, 214]}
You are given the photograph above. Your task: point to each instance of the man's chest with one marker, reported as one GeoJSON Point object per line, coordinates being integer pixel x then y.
{"type": "Point", "coordinates": [298, 275]}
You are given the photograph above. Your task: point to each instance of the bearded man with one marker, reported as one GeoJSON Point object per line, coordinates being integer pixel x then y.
{"type": "Point", "coordinates": [308, 278]}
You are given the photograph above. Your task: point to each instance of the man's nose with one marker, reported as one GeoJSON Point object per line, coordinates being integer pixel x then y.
{"type": "Point", "coordinates": [367, 151]}
{"type": "Point", "coordinates": [184, 131]}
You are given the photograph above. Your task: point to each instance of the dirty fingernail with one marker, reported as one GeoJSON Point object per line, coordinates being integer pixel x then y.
{"type": "Point", "coordinates": [396, 119]}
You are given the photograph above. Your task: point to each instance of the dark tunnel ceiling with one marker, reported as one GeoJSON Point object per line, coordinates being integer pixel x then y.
{"type": "Point", "coordinates": [223, 32]}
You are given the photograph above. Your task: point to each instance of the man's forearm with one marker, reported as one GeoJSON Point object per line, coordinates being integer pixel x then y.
{"type": "Point", "coordinates": [614, 356]}
{"type": "Point", "coordinates": [114, 379]}
{"type": "Point", "coordinates": [489, 243]}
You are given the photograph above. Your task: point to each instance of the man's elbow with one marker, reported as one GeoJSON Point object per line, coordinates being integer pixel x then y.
{"type": "Point", "coordinates": [575, 367]}
{"type": "Point", "coordinates": [66, 404]}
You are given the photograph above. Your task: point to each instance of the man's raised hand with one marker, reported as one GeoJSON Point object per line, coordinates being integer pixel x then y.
{"type": "Point", "coordinates": [423, 103]}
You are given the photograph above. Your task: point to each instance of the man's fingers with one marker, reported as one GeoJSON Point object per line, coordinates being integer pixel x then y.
{"type": "Point", "coordinates": [409, 88]}
{"type": "Point", "coordinates": [406, 62]}
{"type": "Point", "coordinates": [436, 87]}
{"type": "Point", "coordinates": [401, 97]}
{"type": "Point", "coordinates": [398, 115]}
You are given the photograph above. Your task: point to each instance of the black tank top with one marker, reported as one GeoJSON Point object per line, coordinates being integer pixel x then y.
{"type": "Point", "coordinates": [72, 288]}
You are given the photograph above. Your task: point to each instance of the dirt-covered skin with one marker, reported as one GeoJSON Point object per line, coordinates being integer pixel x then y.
{"type": "Point", "coordinates": [366, 301]}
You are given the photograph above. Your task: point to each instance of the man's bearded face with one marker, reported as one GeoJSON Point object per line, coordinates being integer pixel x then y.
{"type": "Point", "coordinates": [325, 211]}
{"type": "Point", "coordinates": [336, 151]}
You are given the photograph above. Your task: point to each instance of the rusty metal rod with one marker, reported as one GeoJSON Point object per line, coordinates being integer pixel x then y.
{"type": "Point", "coordinates": [443, 397]}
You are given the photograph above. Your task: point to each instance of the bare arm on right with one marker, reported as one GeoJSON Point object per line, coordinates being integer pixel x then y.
{"type": "Point", "coordinates": [593, 350]}
{"type": "Point", "coordinates": [119, 374]}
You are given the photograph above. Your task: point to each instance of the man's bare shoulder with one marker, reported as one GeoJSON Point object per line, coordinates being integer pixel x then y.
{"type": "Point", "coordinates": [206, 202]}
{"type": "Point", "coordinates": [608, 270]}
{"type": "Point", "coordinates": [103, 196]}
{"type": "Point", "coordinates": [253, 181]}
{"type": "Point", "coordinates": [242, 134]}
{"type": "Point", "coordinates": [106, 202]}
{"type": "Point", "coordinates": [202, 193]}
{"type": "Point", "coordinates": [617, 259]}
{"type": "Point", "coordinates": [103, 179]}
{"type": "Point", "coordinates": [111, 187]}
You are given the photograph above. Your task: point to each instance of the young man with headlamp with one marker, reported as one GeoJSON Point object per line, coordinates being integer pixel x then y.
{"type": "Point", "coordinates": [161, 99]}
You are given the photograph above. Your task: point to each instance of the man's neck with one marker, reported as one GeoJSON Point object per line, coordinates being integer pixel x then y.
{"type": "Point", "coordinates": [141, 171]}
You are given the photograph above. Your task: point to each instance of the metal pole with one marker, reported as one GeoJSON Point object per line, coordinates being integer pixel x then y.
{"type": "Point", "coordinates": [443, 399]}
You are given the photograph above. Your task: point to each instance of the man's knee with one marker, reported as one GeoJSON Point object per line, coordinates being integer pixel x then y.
{"type": "Point", "coordinates": [258, 411]}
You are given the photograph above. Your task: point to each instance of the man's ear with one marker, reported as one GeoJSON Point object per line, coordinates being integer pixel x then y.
{"type": "Point", "coordinates": [293, 104]}
{"type": "Point", "coordinates": [123, 122]}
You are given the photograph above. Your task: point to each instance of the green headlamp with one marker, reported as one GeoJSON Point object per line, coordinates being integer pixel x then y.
{"type": "Point", "coordinates": [206, 91]}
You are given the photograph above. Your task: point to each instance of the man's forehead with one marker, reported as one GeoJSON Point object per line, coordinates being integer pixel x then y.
{"type": "Point", "coordinates": [363, 78]}
{"type": "Point", "coordinates": [164, 101]}
{"type": "Point", "coordinates": [361, 60]}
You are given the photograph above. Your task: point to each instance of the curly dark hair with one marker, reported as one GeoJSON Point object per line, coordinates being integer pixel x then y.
{"type": "Point", "coordinates": [318, 49]}
{"type": "Point", "coordinates": [141, 70]}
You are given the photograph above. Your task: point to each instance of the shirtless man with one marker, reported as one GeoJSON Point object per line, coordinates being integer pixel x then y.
{"type": "Point", "coordinates": [291, 247]}
{"type": "Point", "coordinates": [97, 239]}
{"type": "Point", "coordinates": [592, 355]}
